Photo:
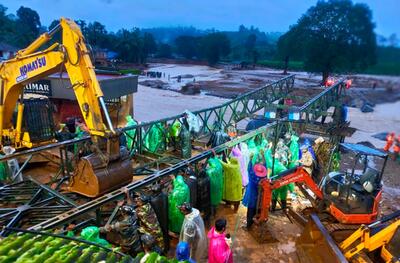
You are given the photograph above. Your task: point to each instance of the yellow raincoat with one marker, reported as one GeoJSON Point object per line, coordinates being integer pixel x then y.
{"type": "Point", "coordinates": [232, 190]}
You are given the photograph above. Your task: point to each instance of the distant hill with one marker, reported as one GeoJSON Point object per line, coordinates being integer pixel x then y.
{"type": "Point", "coordinates": [169, 34]}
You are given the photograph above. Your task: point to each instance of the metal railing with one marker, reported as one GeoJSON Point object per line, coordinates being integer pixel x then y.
{"type": "Point", "coordinates": [225, 114]}
{"type": "Point", "coordinates": [119, 193]}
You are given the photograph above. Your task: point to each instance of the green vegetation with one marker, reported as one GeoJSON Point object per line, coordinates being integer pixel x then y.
{"type": "Point", "coordinates": [388, 62]}
{"type": "Point", "coordinates": [130, 71]}
{"type": "Point", "coordinates": [293, 65]}
{"type": "Point", "coordinates": [384, 69]}
{"type": "Point", "coordinates": [332, 36]}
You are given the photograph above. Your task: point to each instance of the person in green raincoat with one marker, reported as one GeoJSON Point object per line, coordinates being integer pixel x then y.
{"type": "Point", "coordinates": [232, 189]}
{"type": "Point", "coordinates": [81, 131]}
{"type": "Point", "coordinates": [215, 173]}
{"type": "Point", "coordinates": [294, 151]}
{"type": "Point", "coordinates": [280, 193]}
{"type": "Point", "coordinates": [130, 138]}
{"type": "Point", "coordinates": [4, 174]}
{"type": "Point", "coordinates": [155, 138]}
{"type": "Point", "coordinates": [179, 195]}
{"type": "Point", "coordinates": [174, 134]}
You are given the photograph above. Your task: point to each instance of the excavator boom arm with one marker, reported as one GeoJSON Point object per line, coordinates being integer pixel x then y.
{"type": "Point", "coordinates": [298, 176]}
{"type": "Point", "coordinates": [30, 65]}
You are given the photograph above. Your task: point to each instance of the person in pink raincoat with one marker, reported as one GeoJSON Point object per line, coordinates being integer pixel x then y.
{"type": "Point", "coordinates": [219, 250]}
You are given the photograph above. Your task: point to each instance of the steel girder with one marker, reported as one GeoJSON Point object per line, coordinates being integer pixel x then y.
{"type": "Point", "coordinates": [119, 193]}
{"type": "Point", "coordinates": [29, 202]}
{"type": "Point", "coordinates": [226, 114]}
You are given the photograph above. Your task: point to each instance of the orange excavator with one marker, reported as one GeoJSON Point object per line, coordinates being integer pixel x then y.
{"type": "Point", "coordinates": [350, 197]}
{"type": "Point", "coordinates": [108, 167]}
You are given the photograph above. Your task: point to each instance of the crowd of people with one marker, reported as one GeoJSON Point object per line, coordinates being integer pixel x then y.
{"type": "Point", "coordinates": [144, 225]}
{"type": "Point", "coordinates": [198, 191]}
{"type": "Point", "coordinates": [139, 231]}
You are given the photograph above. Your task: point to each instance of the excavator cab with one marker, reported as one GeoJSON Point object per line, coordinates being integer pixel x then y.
{"type": "Point", "coordinates": [353, 195]}
{"type": "Point", "coordinates": [108, 166]}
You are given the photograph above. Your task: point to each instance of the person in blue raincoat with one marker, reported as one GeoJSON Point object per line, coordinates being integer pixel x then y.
{"type": "Point", "coordinates": [256, 173]}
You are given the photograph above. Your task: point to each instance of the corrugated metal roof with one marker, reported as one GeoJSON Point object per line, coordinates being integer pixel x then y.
{"type": "Point", "coordinates": [362, 149]}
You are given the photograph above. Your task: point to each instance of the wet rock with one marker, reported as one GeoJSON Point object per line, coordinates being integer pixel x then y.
{"type": "Point", "coordinates": [367, 108]}
{"type": "Point", "coordinates": [155, 84]}
{"type": "Point", "coordinates": [190, 89]}
{"type": "Point", "coordinates": [184, 76]}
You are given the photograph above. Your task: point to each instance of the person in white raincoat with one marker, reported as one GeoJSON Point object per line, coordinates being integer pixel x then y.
{"type": "Point", "coordinates": [193, 232]}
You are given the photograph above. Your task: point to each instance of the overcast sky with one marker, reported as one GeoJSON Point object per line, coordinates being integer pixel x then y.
{"type": "Point", "coordinates": [268, 15]}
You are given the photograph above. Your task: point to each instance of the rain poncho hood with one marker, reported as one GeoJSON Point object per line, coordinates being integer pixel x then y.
{"type": "Point", "coordinates": [178, 196]}
{"type": "Point", "coordinates": [176, 129]}
{"type": "Point", "coordinates": [193, 232]}
{"type": "Point", "coordinates": [218, 250]}
{"type": "Point", "coordinates": [232, 190]}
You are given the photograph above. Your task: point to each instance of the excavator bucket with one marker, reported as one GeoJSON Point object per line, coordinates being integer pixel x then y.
{"type": "Point", "coordinates": [95, 176]}
{"type": "Point", "coordinates": [315, 245]}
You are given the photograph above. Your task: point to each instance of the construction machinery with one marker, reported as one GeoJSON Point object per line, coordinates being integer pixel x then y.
{"type": "Point", "coordinates": [377, 242]}
{"type": "Point", "coordinates": [107, 167]}
{"type": "Point", "coordinates": [351, 197]}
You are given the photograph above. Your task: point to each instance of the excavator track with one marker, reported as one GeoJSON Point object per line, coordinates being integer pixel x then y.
{"type": "Point", "coordinates": [340, 232]}
{"type": "Point", "coordinates": [336, 230]}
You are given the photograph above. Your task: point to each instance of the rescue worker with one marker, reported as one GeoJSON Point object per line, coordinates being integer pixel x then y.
{"type": "Point", "coordinates": [281, 194]}
{"type": "Point", "coordinates": [147, 218]}
{"type": "Point", "coordinates": [390, 138]}
{"type": "Point", "coordinates": [185, 139]}
{"type": "Point", "coordinates": [4, 173]}
{"type": "Point", "coordinates": [232, 187]}
{"type": "Point", "coordinates": [13, 166]}
{"type": "Point", "coordinates": [127, 229]}
{"type": "Point", "coordinates": [193, 232]}
{"type": "Point", "coordinates": [130, 137]}
{"type": "Point", "coordinates": [396, 149]}
{"type": "Point", "coordinates": [282, 152]}
{"type": "Point", "coordinates": [256, 173]}
{"type": "Point", "coordinates": [149, 247]}
{"type": "Point", "coordinates": [306, 159]}
{"type": "Point", "coordinates": [219, 250]}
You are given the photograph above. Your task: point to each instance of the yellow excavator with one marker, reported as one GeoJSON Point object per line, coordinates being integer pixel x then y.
{"type": "Point", "coordinates": [108, 167]}
{"type": "Point", "coordinates": [373, 243]}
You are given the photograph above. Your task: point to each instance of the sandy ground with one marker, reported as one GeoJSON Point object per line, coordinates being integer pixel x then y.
{"type": "Point", "coordinates": [228, 82]}
{"type": "Point", "coordinates": [385, 118]}
{"type": "Point", "coordinates": [152, 104]}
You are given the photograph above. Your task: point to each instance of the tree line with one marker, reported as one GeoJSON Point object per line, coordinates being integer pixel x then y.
{"type": "Point", "coordinates": [332, 36]}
